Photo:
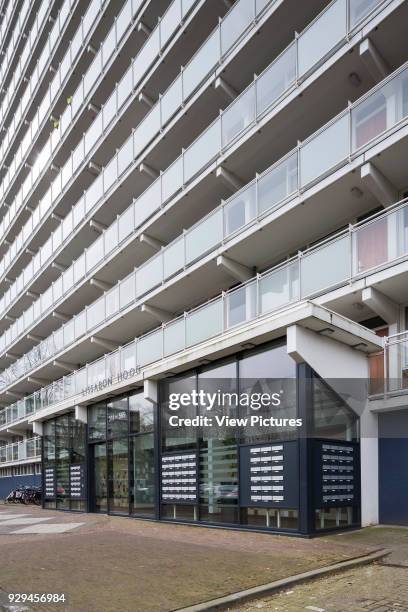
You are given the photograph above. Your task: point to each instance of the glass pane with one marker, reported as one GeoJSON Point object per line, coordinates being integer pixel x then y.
{"type": "Point", "coordinates": [119, 476]}
{"type": "Point", "coordinates": [241, 305]}
{"type": "Point", "coordinates": [202, 151]}
{"type": "Point", "coordinates": [143, 476]}
{"type": "Point", "coordinates": [325, 267]}
{"type": "Point", "coordinates": [204, 236]}
{"type": "Point", "coordinates": [278, 184]}
{"type": "Point", "coordinates": [149, 275]}
{"type": "Point", "coordinates": [173, 337]}
{"type": "Point", "coordinates": [141, 413]}
{"type": "Point", "coordinates": [276, 80]}
{"type": "Point", "coordinates": [235, 23]}
{"type": "Point", "coordinates": [238, 116]}
{"type": "Point", "coordinates": [279, 288]}
{"type": "Point", "coordinates": [360, 9]}
{"type": "Point", "coordinates": [240, 210]}
{"type": "Point", "coordinates": [100, 478]}
{"type": "Point", "coordinates": [324, 34]}
{"type": "Point", "coordinates": [97, 422]}
{"type": "Point", "coordinates": [324, 151]}
{"type": "Point", "coordinates": [204, 323]}
{"type": "Point", "coordinates": [201, 64]}
{"type": "Point", "coordinates": [380, 111]}
{"type": "Point", "coordinates": [172, 100]}
{"type": "Point", "coordinates": [173, 258]}
{"type": "Point", "coordinates": [117, 417]}
{"type": "Point", "coordinates": [149, 348]}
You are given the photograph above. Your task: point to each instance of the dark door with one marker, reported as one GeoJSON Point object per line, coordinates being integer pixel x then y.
{"type": "Point", "coordinates": [99, 488]}
{"type": "Point", "coordinates": [393, 472]}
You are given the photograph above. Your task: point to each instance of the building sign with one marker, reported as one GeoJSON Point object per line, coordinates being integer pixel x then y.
{"type": "Point", "coordinates": [105, 383]}
{"type": "Point", "coordinates": [77, 481]}
{"type": "Point", "coordinates": [49, 483]}
{"type": "Point", "coordinates": [268, 475]}
{"type": "Point", "coordinates": [179, 478]}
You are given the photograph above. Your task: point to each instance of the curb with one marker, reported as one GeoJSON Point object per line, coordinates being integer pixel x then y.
{"type": "Point", "coordinates": [272, 587]}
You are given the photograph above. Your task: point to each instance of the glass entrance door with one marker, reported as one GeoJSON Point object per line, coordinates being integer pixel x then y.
{"type": "Point", "coordinates": [100, 477]}
{"type": "Point", "coordinates": [118, 476]}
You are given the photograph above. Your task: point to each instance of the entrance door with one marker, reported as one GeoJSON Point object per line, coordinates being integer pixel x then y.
{"type": "Point", "coordinates": [118, 471]}
{"type": "Point", "coordinates": [393, 475]}
{"type": "Point", "coordinates": [100, 478]}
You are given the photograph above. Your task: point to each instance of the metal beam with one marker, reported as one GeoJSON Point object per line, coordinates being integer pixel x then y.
{"type": "Point", "coordinates": [33, 295]}
{"type": "Point", "coordinates": [93, 108]}
{"type": "Point", "coordinates": [12, 356]}
{"type": "Point", "coordinates": [154, 243]}
{"type": "Point", "coordinates": [381, 188]}
{"type": "Point", "coordinates": [60, 316]}
{"type": "Point", "coordinates": [38, 428]}
{"type": "Point", "coordinates": [35, 338]}
{"type": "Point", "coordinates": [373, 60]}
{"type": "Point", "coordinates": [41, 382]}
{"type": "Point", "coordinates": [146, 169]}
{"type": "Point", "coordinates": [143, 27]}
{"type": "Point", "coordinates": [58, 266]}
{"type": "Point", "coordinates": [100, 284]}
{"type": "Point", "coordinates": [97, 226]}
{"type": "Point", "coordinates": [158, 313]}
{"type": "Point", "coordinates": [229, 178]}
{"type": "Point", "coordinates": [221, 83]}
{"type": "Point", "coordinates": [104, 343]}
{"type": "Point", "coordinates": [145, 99]}
{"type": "Point", "coordinates": [236, 270]}
{"type": "Point", "coordinates": [15, 394]}
{"type": "Point", "coordinates": [150, 390]}
{"type": "Point", "coordinates": [9, 318]}
{"type": "Point", "coordinates": [64, 365]}
{"type": "Point", "coordinates": [94, 168]}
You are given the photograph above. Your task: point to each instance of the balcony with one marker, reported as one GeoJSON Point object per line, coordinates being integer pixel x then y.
{"type": "Point", "coordinates": [334, 263]}
{"type": "Point", "coordinates": [18, 452]}
{"type": "Point", "coordinates": [250, 106]}
{"type": "Point", "coordinates": [68, 181]}
{"type": "Point", "coordinates": [266, 194]}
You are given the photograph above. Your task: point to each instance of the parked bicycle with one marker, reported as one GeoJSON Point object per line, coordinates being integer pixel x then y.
{"type": "Point", "coordinates": [25, 495]}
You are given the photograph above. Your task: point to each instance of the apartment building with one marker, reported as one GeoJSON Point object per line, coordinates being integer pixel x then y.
{"type": "Point", "coordinates": [202, 195]}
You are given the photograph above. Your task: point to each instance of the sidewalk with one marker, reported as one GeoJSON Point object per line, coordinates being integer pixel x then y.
{"type": "Point", "coordinates": [112, 563]}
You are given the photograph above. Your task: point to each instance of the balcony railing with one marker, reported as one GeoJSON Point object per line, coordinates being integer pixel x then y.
{"type": "Point", "coordinates": [150, 51]}
{"type": "Point", "coordinates": [21, 451]}
{"type": "Point", "coordinates": [14, 39]}
{"type": "Point", "coordinates": [85, 148]}
{"type": "Point", "coordinates": [241, 115]}
{"type": "Point", "coordinates": [63, 72]}
{"type": "Point", "coordinates": [394, 367]}
{"type": "Point", "coordinates": [308, 162]}
{"type": "Point", "coordinates": [39, 70]}
{"type": "Point", "coordinates": [333, 263]}
{"type": "Point", "coordinates": [191, 77]}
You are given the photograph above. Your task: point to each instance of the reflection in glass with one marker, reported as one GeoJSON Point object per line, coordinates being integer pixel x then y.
{"type": "Point", "coordinates": [143, 475]}
{"type": "Point", "coordinates": [100, 478]}
{"type": "Point", "coordinates": [141, 414]}
{"type": "Point", "coordinates": [119, 476]}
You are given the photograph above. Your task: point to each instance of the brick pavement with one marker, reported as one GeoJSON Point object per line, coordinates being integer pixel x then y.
{"type": "Point", "coordinates": [373, 588]}
{"type": "Point", "coordinates": [121, 564]}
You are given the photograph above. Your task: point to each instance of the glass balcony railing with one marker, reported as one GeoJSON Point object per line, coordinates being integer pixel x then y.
{"type": "Point", "coordinates": [390, 376]}
{"type": "Point", "coordinates": [25, 57]}
{"type": "Point", "coordinates": [18, 29]}
{"type": "Point", "coordinates": [21, 451]}
{"type": "Point", "coordinates": [104, 121]}
{"type": "Point", "coordinates": [151, 50]}
{"type": "Point", "coordinates": [62, 74]}
{"type": "Point", "coordinates": [279, 78]}
{"type": "Point", "coordinates": [300, 168]}
{"type": "Point", "coordinates": [333, 263]}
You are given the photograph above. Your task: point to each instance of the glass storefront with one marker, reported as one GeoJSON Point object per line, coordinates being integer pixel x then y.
{"type": "Point", "coordinates": [64, 464]}
{"type": "Point", "coordinates": [242, 473]}
{"type": "Point", "coordinates": [122, 456]}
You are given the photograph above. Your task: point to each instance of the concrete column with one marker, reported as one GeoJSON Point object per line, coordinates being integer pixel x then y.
{"type": "Point", "coordinates": [369, 467]}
